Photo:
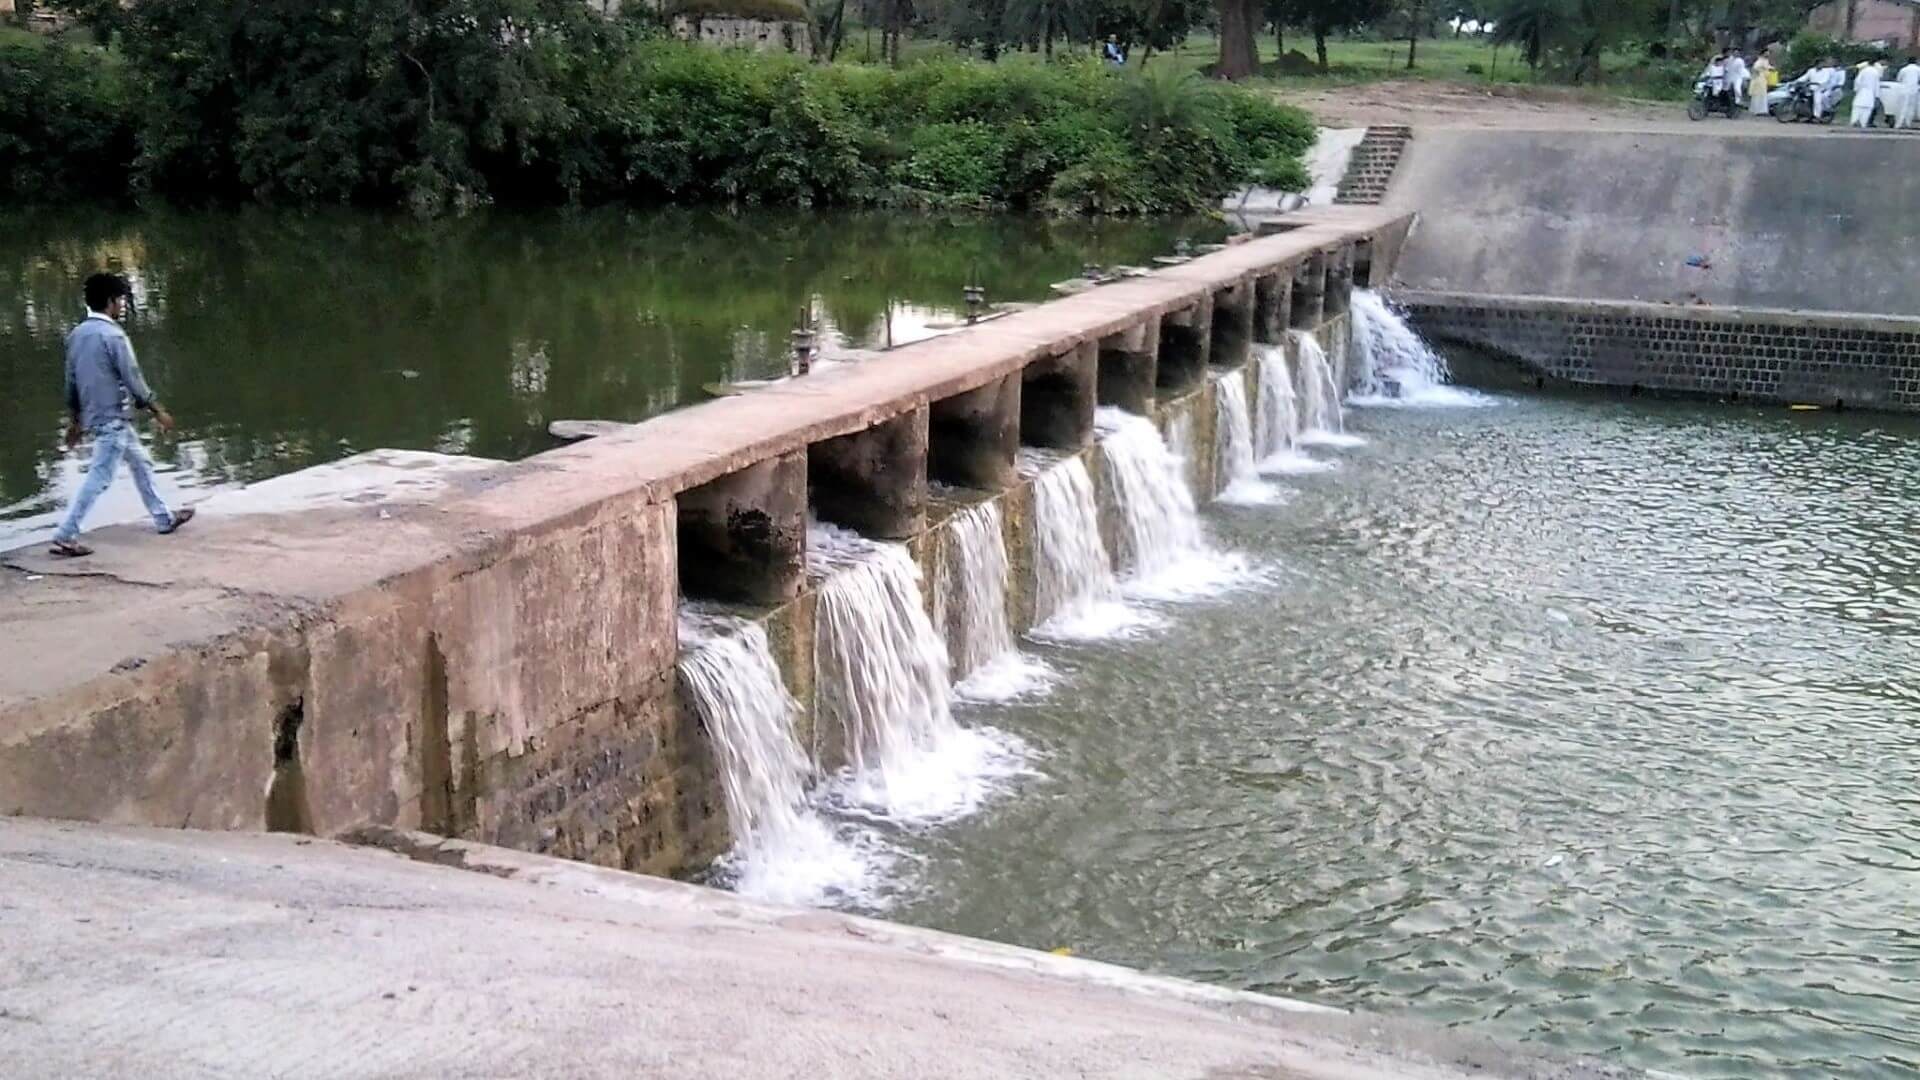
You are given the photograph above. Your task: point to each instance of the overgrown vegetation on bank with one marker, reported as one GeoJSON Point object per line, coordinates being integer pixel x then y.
{"type": "Point", "coordinates": [538, 101]}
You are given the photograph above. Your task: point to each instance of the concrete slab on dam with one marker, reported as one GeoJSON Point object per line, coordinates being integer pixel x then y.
{"type": "Point", "coordinates": [1826, 223]}
{"type": "Point", "coordinates": [166, 953]}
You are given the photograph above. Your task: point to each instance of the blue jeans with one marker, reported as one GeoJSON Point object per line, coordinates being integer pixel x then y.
{"type": "Point", "coordinates": [113, 443]}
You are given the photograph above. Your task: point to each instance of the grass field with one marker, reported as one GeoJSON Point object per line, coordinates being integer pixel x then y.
{"type": "Point", "coordinates": [1464, 60]}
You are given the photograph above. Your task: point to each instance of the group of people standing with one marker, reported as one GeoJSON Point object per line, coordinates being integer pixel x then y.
{"type": "Point", "coordinates": [1729, 73]}
{"type": "Point", "coordinates": [1751, 84]}
{"type": "Point", "coordinates": [1829, 79]}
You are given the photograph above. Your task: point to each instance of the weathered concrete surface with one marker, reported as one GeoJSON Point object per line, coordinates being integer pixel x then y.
{"type": "Point", "coordinates": [1308, 293]}
{"type": "Point", "coordinates": [1809, 224]}
{"type": "Point", "coordinates": [185, 954]}
{"type": "Point", "coordinates": [973, 437]}
{"type": "Point", "coordinates": [1186, 340]}
{"type": "Point", "coordinates": [1233, 325]}
{"type": "Point", "coordinates": [873, 481]}
{"type": "Point", "coordinates": [1127, 362]}
{"type": "Point", "coordinates": [1058, 396]}
{"type": "Point", "coordinates": [744, 536]}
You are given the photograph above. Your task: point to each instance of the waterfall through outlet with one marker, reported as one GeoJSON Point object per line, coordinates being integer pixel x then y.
{"type": "Point", "coordinates": [1235, 461]}
{"type": "Point", "coordinates": [1277, 422]}
{"type": "Point", "coordinates": [881, 688]}
{"type": "Point", "coordinates": [1391, 365]}
{"type": "Point", "coordinates": [1162, 544]}
{"type": "Point", "coordinates": [1318, 385]}
{"type": "Point", "coordinates": [783, 849]}
{"type": "Point", "coordinates": [973, 596]}
{"type": "Point", "coordinates": [1075, 594]}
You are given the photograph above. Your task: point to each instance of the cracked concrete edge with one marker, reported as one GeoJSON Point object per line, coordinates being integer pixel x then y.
{"type": "Point", "coordinates": [1365, 1044]}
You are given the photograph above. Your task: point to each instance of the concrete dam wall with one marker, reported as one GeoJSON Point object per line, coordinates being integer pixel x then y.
{"type": "Point", "coordinates": [1825, 224]}
{"type": "Point", "coordinates": [1771, 267]}
{"type": "Point", "coordinates": [499, 660]}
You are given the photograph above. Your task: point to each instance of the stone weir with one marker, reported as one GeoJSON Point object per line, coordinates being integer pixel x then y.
{"type": "Point", "coordinates": [496, 659]}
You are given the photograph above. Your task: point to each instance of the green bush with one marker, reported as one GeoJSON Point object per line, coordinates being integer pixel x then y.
{"type": "Point", "coordinates": [64, 132]}
{"type": "Point", "coordinates": [539, 101]}
{"type": "Point", "coordinates": [960, 161]}
{"type": "Point", "coordinates": [1807, 49]}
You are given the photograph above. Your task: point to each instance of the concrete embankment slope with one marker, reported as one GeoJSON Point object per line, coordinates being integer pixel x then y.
{"type": "Point", "coordinates": [1827, 223]}
{"type": "Point", "coordinates": [155, 953]}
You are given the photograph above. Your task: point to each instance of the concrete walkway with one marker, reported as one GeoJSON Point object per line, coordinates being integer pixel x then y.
{"type": "Point", "coordinates": [155, 953]}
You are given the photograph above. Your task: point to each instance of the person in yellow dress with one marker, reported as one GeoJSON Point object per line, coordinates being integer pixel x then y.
{"type": "Point", "coordinates": [1762, 78]}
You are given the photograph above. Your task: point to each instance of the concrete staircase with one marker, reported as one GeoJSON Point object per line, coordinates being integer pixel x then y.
{"type": "Point", "coordinates": [1370, 169]}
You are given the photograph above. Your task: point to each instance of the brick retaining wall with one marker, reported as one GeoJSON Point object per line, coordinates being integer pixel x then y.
{"type": "Point", "coordinates": [1859, 361]}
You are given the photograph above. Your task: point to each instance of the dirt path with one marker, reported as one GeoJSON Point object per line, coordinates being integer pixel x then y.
{"type": "Point", "coordinates": [1421, 103]}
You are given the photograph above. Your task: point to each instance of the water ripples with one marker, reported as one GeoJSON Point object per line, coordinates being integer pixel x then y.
{"type": "Point", "coordinates": [1582, 722]}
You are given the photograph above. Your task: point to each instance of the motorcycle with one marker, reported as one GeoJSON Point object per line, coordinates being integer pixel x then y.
{"type": "Point", "coordinates": [1794, 104]}
{"type": "Point", "coordinates": [1711, 95]}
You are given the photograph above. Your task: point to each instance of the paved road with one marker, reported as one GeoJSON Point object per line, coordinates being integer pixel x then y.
{"type": "Point", "coordinates": [154, 953]}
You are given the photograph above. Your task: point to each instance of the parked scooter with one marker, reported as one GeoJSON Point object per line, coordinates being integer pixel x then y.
{"type": "Point", "coordinates": [1711, 95]}
{"type": "Point", "coordinates": [1793, 103]}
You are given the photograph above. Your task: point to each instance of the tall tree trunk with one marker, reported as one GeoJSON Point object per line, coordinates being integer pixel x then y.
{"type": "Point", "coordinates": [1320, 47]}
{"type": "Point", "coordinates": [1675, 19]}
{"type": "Point", "coordinates": [1413, 32]}
{"type": "Point", "coordinates": [1853, 7]}
{"type": "Point", "coordinates": [1049, 37]}
{"type": "Point", "coordinates": [1279, 39]}
{"type": "Point", "coordinates": [1238, 55]}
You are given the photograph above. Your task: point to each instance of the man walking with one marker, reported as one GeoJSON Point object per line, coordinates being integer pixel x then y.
{"type": "Point", "coordinates": [1866, 94]}
{"type": "Point", "coordinates": [103, 378]}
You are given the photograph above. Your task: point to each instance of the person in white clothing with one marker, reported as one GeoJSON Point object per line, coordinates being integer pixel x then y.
{"type": "Point", "coordinates": [1866, 94]}
{"type": "Point", "coordinates": [1909, 94]}
{"type": "Point", "coordinates": [1815, 79]}
{"type": "Point", "coordinates": [1715, 76]}
{"type": "Point", "coordinates": [1836, 85]}
{"type": "Point", "coordinates": [1737, 77]}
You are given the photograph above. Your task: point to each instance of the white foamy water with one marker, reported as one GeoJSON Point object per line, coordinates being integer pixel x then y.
{"type": "Point", "coordinates": [783, 849]}
{"type": "Point", "coordinates": [1076, 596]}
{"type": "Point", "coordinates": [973, 593]}
{"type": "Point", "coordinates": [1234, 458]}
{"type": "Point", "coordinates": [1277, 417]}
{"type": "Point", "coordinates": [1164, 548]}
{"type": "Point", "coordinates": [1318, 387]}
{"type": "Point", "coordinates": [882, 686]}
{"type": "Point", "coordinates": [1392, 366]}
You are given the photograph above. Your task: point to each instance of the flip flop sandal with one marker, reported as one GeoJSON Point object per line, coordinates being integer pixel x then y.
{"type": "Point", "coordinates": [67, 549]}
{"type": "Point", "coordinates": [180, 517]}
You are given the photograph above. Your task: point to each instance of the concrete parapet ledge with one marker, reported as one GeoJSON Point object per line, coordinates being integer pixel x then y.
{"type": "Point", "coordinates": [164, 953]}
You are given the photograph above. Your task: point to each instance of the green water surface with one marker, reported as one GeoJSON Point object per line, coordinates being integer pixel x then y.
{"type": "Point", "coordinates": [281, 340]}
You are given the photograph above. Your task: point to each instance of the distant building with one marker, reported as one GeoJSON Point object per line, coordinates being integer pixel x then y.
{"type": "Point", "coordinates": [1895, 22]}
{"type": "Point", "coordinates": [763, 25]}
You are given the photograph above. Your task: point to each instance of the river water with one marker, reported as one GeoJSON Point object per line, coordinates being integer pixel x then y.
{"type": "Point", "coordinates": [286, 340]}
{"type": "Point", "coordinates": [1573, 720]}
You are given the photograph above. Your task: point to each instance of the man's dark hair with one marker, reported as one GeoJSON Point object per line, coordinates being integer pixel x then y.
{"type": "Point", "coordinates": [103, 289]}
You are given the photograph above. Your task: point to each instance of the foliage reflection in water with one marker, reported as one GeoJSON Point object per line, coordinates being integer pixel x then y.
{"type": "Point", "coordinates": [281, 340]}
{"type": "Point", "coordinates": [1570, 720]}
